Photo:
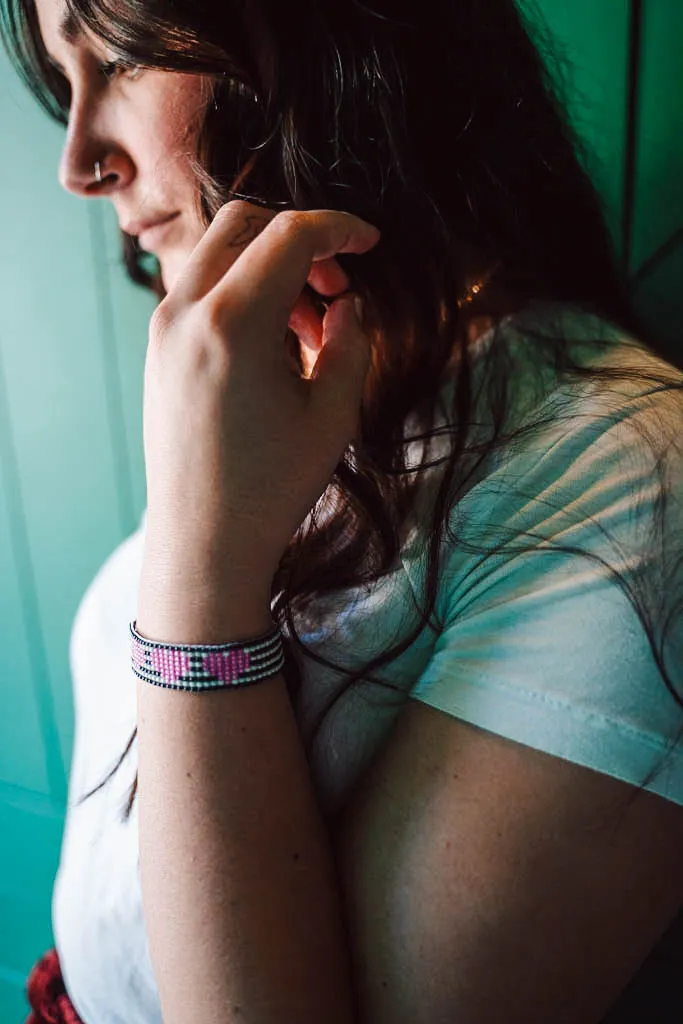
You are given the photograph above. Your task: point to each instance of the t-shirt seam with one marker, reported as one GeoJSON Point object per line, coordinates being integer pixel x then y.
{"type": "Point", "coordinates": [591, 717]}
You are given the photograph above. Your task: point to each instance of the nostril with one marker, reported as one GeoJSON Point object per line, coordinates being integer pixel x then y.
{"type": "Point", "coordinates": [102, 176]}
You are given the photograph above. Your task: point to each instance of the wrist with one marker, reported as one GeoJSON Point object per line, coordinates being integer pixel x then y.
{"type": "Point", "coordinates": [205, 560]}
{"type": "Point", "coordinates": [173, 608]}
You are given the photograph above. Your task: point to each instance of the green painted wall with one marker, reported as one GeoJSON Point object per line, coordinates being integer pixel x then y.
{"type": "Point", "coordinates": [73, 335]}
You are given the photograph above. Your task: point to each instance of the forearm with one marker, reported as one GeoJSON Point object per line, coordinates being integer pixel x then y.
{"type": "Point", "coordinates": [240, 895]}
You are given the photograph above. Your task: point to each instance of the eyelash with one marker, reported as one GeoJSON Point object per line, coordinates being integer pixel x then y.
{"type": "Point", "coordinates": [115, 67]}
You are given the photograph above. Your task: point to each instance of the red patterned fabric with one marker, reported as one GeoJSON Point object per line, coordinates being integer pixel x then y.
{"type": "Point", "coordinates": [47, 995]}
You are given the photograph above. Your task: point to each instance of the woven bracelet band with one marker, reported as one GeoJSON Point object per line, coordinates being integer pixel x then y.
{"type": "Point", "coordinates": [198, 667]}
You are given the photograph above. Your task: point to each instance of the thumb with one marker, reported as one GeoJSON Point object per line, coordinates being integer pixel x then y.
{"type": "Point", "coordinates": [342, 365]}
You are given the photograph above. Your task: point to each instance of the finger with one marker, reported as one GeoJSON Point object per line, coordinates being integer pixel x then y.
{"type": "Point", "coordinates": [279, 261]}
{"type": "Point", "coordinates": [307, 323]}
{"type": "Point", "coordinates": [232, 230]}
{"type": "Point", "coordinates": [328, 278]}
{"type": "Point", "coordinates": [341, 368]}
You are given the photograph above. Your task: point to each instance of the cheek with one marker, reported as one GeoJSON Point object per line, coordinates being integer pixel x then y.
{"type": "Point", "coordinates": [188, 103]}
{"type": "Point", "coordinates": [178, 107]}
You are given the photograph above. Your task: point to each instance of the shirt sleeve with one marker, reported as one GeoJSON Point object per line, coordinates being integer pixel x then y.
{"type": "Point", "coordinates": [540, 643]}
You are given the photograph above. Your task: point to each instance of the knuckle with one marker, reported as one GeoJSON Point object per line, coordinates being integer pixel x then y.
{"type": "Point", "coordinates": [207, 347]}
{"type": "Point", "coordinates": [161, 317]}
{"type": "Point", "coordinates": [217, 314]}
{"type": "Point", "coordinates": [212, 317]}
{"type": "Point", "coordinates": [231, 207]}
{"type": "Point", "coordinates": [225, 211]}
{"type": "Point", "coordinates": [290, 221]}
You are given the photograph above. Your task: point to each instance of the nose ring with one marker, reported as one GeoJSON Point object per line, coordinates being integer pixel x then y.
{"type": "Point", "coordinates": [98, 171]}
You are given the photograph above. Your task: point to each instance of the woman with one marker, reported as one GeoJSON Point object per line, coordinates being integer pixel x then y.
{"type": "Point", "coordinates": [469, 496]}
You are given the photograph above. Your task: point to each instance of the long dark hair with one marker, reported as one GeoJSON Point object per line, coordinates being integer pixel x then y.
{"type": "Point", "coordinates": [442, 123]}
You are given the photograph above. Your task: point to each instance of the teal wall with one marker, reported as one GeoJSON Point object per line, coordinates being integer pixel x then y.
{"type": "Point", "coordinates": [73, 335]}
{"type": "Point", "coordinates": [595, 36]}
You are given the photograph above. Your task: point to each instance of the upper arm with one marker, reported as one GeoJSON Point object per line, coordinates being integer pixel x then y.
{"type": "Point", "coordinates": [492, 864]}
{"type": "Point", "coordinates": [486, 881]}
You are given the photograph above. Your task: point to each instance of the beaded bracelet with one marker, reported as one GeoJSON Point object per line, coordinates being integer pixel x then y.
{"type": "Point", "coordinates": [198, 667]}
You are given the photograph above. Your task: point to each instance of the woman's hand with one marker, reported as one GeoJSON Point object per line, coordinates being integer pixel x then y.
{"type": "Point", "coordinates": [238, 445]}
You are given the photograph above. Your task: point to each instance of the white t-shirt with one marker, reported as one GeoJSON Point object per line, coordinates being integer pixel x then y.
{"type": "Point", "coordinates": [543, 648]}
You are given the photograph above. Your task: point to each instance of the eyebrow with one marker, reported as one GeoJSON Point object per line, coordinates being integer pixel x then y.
{"type": "Point", "coordinates": [71, 31]}
{"type": "Point", "coordinates": [69, 28]}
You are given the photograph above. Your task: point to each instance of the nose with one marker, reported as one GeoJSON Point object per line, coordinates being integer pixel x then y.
{"type": "Point", "coordinates": [84, 145]}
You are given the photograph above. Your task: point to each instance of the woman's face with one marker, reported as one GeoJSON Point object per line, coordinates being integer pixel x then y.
{"type": "Point", "coordinates": [142, 126]}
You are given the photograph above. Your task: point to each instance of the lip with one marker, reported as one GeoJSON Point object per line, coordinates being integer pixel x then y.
{"type": "Point", "coordinates": [149, 236]}
{"type": "Point", "coordinates": [148, 230]}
